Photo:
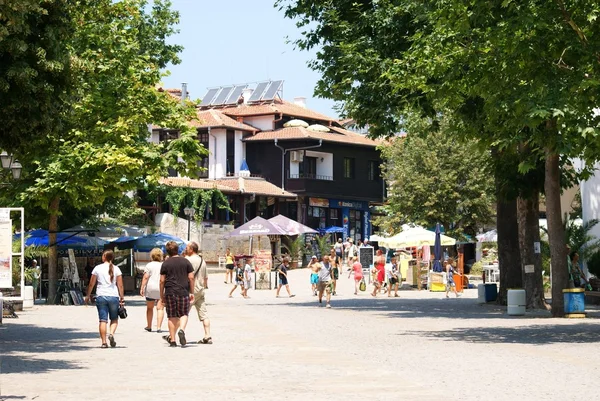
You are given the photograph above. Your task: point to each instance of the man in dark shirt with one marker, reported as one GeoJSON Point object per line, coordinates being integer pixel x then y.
{"type": "Point", "coordinates": [176, 292]}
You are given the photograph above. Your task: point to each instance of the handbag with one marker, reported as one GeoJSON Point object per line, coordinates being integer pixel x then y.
{"type": "Point", "coordinates": [122, 312]}
{"type": "Point", "coordinates": [362, 286]}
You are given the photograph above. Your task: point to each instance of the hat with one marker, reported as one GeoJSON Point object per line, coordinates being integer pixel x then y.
{"type": "Point", "coordinates": [313, 257]}
{"type": "Point", "coordinates": [350, 240]}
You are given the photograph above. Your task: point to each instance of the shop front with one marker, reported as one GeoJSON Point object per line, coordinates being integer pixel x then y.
{"type": "Point", "coordinates": [353, 216]}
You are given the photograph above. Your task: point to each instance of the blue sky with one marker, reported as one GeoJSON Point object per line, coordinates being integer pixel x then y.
{"type": "Point", "coordinates": [239, 41]}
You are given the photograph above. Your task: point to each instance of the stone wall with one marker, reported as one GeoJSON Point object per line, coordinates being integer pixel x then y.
{"type": "Point", "coordinates": [210, 237]}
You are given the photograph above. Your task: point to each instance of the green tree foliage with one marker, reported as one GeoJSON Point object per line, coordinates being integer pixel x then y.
{"type": "Point", "coordinates": [435, 179]}
{"type": "Point", "coordinates": [34, 72]}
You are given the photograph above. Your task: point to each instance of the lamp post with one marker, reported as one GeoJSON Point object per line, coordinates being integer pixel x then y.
{"type": "Point", "coordinates": [189, 212]}
{"type": "Point", "coordinates": [8, 163]}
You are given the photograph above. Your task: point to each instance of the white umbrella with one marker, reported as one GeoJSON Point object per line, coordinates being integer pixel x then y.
{"type": "Point", "coordinates": [415, 236]}
{"type": "Point", "coordinates": [490, 236]}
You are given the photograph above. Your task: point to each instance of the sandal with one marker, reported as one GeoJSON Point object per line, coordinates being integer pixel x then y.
{"type": "Point", "coordinates": [148, 329]}
{"type": "Point", "coordinates": [112, 341]}
{"type": "Point", "coordinates": [207, 340]}
{"type": "Point", "coordinates": [104, 345]}
{"type": "Point", "coordinates": [167, 339]}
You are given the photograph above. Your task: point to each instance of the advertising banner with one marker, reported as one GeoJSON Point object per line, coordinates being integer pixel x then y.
{"type": "Point", "coordinates": [5, 253]}
{"type": "Point", "coordinates": [262, 261]}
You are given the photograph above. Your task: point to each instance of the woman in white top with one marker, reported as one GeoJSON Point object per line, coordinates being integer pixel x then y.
{"type": "Point", "coordinates": [150, 289]}
{"type": "Point", "coordinates": [109, 295]}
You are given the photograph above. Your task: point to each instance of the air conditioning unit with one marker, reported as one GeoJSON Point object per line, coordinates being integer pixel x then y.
{"type": "Point", "coordinates": [296, 156]}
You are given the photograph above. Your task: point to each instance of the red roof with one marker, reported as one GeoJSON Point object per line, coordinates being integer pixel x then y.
{"type": "Point", "coordinates": [336, 135]}
{"type": "Point", "coordinates": [233, 185]}
{"type": "Point", "coordinates": [275, 107]}
{"type": "Point", "coordinates": [216, 119]}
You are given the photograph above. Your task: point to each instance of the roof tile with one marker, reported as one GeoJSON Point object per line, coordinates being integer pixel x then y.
{"type": "Point", "coordinates": [337, 135]}
{"type": "Point", "coordinates": [215, 119]}
{"type": "Point", "coordinates": [276, 107]}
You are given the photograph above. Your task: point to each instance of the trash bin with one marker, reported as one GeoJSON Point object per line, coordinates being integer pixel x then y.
{"type": "Point", "coordinates": [574, 302]}
{"type": "Point", "coordinates": [28, 296]}
{"type": "Point", "coordinates": [491, 292]}
{"type": "Point", "coordinates": [516, 302]}
{"type": "Point", "coordinates": [481, 293]}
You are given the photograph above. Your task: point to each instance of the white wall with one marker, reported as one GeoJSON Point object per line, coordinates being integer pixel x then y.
{"type": "Point", "coordinates": [294, 168]}
{"type": "Point", "coordinates": [218, 154]}
{"type": "Point", "coordinates": [239, 151]}
{"type": "Point", "coordinates": [263, 123]}
{"type": "Point", "coordinates": [325, 167]}
{"type": "Point", "coordinates": [590, 200]}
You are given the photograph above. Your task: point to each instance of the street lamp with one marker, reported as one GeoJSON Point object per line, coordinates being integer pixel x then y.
{"type": "Point", "coordinates": [8, 163]}
{"type": "Point", "coordinates": [189, 212]}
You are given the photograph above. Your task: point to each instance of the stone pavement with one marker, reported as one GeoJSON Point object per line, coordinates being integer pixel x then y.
{"type": "Point", "coordinates": [416, 347]}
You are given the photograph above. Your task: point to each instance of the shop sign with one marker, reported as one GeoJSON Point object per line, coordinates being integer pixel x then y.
{"type": "Point", "coordinates": [357, 205]}
{"type": "Point", "coordinates": [318, 202]}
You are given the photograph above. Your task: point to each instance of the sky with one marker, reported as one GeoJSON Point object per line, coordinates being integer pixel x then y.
{"type": "Point", "coordinates": [241, 41]}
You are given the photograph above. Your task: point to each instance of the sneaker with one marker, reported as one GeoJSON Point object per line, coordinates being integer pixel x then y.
{"type": "Point", "coordinates": [328, 306]}
{"type": "Point", "coordinates": [182, 339]}
{"type": "Point", "coordinates": [292, 296]}
{"type": "Point", "coordinates": [112, 341]}
{"type": "Point", "coordinates": [172, 344]}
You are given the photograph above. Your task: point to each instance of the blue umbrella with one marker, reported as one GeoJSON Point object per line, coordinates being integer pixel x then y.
{"type": "Point", "coordinates": [331, 230]}
{"type": "Point", "coordinates": [437, 250]}
{"type": "Point", "coordinates": [151, 241]}
{"type": "Point", "coordinates": [41, 238]}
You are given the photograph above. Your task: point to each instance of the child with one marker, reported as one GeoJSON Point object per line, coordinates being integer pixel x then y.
{"type": "Point", "coordinates": [450, 278]}
{"type": "Point", "coordinates": [358, 274]}
{"type": "Point", "coordinates": [247, 279]}
{"type": "Point", "coordinates": [394, 279]}
{"type": "Point", "coordinates": [239, 279]}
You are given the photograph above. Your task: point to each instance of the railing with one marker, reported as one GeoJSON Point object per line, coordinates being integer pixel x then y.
{"type": "Point", "coordinates": [310, 177]}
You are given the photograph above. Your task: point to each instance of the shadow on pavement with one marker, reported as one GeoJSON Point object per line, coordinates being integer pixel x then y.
{"type": "Point", "coordinates": [578, 333]}
{"type": "Point", "coordinates": [21, 343]}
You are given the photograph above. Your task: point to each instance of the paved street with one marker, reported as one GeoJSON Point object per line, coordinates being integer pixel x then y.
{"type": "Point", "coordinates": [416, 347]}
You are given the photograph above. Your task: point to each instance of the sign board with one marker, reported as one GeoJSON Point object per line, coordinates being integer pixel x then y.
{"type": "Point", "coordinates": [4, 214]}
{"type": "Point", "coordinates": [366, 256]}
{"type": "Point", "coordinates": [319, 202]}
{"type": "Point", "coordinates": [262, 261]}
{"type": "Point", "coordinates": [5, 254]}
{"type": "Point", "coordinates": [537, 248]}
{"type": "Point", "coordinates": [529, 268]}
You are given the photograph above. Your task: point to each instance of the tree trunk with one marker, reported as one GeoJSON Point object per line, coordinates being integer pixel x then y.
{"type": "Point", "coordinates": [53, 250]}
{"type": "Point", "coordinates": [508, 247]}
{"type": "Point", "coordinates": [556, 232]}
{"type": "Point", "coordinates": [529, 234]}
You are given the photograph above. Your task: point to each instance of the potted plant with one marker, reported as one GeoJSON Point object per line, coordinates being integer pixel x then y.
{"type": "Point", "coordinates": [294, 247]}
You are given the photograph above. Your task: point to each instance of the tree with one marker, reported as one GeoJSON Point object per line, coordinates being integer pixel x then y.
{"type": "Point", "coordinates": [526, 71]}
{"type": "Point", "coordinates": [433, 178]}
{"type": "Point", "coordinates": [102, 150]}
{"type": "Point", "coordinates": [34, 73]}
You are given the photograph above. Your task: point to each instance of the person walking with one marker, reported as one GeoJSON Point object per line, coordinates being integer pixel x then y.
{"type": "Point", "coordinates": [176, 292]}
{"type": "Point", "coordinates": [324, 285]}
{"type": "Point", "coordinates": [356, 269]}
{"type": "Point", "coordinates": [394, 279]}
{"type": "Point", "coordinates": [229, 266]}
{"type": "Point", "coordinates": [336, 262]}
{"type": "Point", "coordinates": [109, 296]}
{"type": "Point", "coordinates": [314, 267]}
{"type": "Point", "coordinates": [378, 272]}
{"type": "Point", "coordinates": [247, 278]}
{"type": "Point", "coordinates": [450, 284]}
{"type": "Point", "coordinates": [200, 285]}
{"type": "Point", "coordinates": [239, 279]}
{"type": "Point", "coordinates": [283, 279]}
{"type": "Point", "coordinates": [150, 289]}
{"type": "Point", "coordinates": [339, 249]}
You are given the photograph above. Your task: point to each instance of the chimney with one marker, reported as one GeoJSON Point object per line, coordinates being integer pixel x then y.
{"type": "Point", "coordinates": [184, 91]}
{"type": "Point", "coordinates": [300, 101]}
{"type": "Point", "coordinates": [246, 94]}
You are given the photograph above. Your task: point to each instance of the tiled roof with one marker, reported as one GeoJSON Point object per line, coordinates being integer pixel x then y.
{"type": "Point", "coordinates": [276, 107]}
{"type": "Point", "coordinates": [258, 186]}
{"type": "Point", "coordinates": [234, 185]}
{"type": "Point", "coordinates": [216, 119]}
{"type": "Point", "coordinates": [337, 135]}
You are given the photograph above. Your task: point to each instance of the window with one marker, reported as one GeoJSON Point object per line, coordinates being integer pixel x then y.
{"type": "Point", "coordinates": [308, 168]}
{"type": "Point", "coordinates": [333, 214]}
{"type": "Point", "coordinates": [230, 152]}
{"type": "Point", "coordinates": [348, 167]}
{"type": "Point", "coordinates": [203, 138]}
{"type": "Point", "coordinates": [373, 170]}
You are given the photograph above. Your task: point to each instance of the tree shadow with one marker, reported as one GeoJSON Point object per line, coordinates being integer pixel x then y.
{"type": "Point", "coordinates": [578, 333]}
{"type": "Point", "coordinates": [21, 343]}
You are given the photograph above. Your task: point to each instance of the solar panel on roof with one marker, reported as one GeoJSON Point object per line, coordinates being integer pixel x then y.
{"type": "Point", "coordinates": [272, 90]}
{"type": "Point", "coordinates": [220, 99]}
{"type": "Point", "coordinates": [209, 96]}
{"type": "Point", "coordinates": [235, 94]}
{"type": "Point", "coordinates": [257, 94]}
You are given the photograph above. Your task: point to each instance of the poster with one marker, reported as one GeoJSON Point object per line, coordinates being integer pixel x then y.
{"type": "Point", "coordinates": [5, 254]}
{"type": "Point", "coordinates": [262, 261]}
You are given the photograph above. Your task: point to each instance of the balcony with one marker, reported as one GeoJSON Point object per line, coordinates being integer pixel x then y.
{"type": "Point", "coordinates": [310, 177]}
{"type": "Point", "coordinates": [328, 187]}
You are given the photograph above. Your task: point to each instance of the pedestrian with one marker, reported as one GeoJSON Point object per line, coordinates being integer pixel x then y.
{"type": "Point", "coordinates": [352, 250]}
{"type": "Point", "coordinates": [109, 296]}
{"type": "Point", "coordinates": [575, 273]}
{"type": "Point", "coordinates": [314, 266]}
{"type": "Point", "coordinates": [247, 278]}
{"type": "Point", "coordinates": [347, 258]}
{"type": "Point", "coordinates": [282, 271]}
{"type": "Point", "coordinates": [394, 279]}
{"type": "Point", "coordinates": [336, 262]}
{"type": "Point", "coordinates": [339, 249]}
{"type": "Point", "coordinates": [150, 289]}
{"type": "Point", "coordinates": [176, 292]}
{"type": "Point", "coordinates": [200, 285]}
{"type": "Point", "coordinates": [239, 279]}
{"type": "Point", "coordinates": [378, 272]}
{"type": "Point", "coordinates": [450, 284]}
{"type": "Point", "coordinates": [324, 286]}
{"type": "Point", "coordinates": [229, 266]}
{"type": "Point", "coordinates": [358, 274]}
{"type": "Point", "coordinates": [37, 274]}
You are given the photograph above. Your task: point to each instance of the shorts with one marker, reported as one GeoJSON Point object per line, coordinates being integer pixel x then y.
{"type": "Point", "coordinates": [200, 304]}
{"type": "Point", "coordinates": [338, 254]}
{"type": "Point", "coordinates": [248, 284]}
{"type": "Point", "coordinates": [314, 278]}
{"type": "Point", "coordinates": [229, 266]}
{"type": "Point", "coordinates": [336, 273]}
{"type": "Point", "coordinates": [324, 286]}
{"type": "Point", "coordinates": [177, 305]}
{"type": "Point", "coordinates": [283, 281]}
{"type": "Point", "coordinates": [152, 299]}
{"type": "Point", "coordinates": [393, 281]}
{"type": "Point", "coordinates": [108, 308]}
{"type": "Point", "coordinates": [239, 282]}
